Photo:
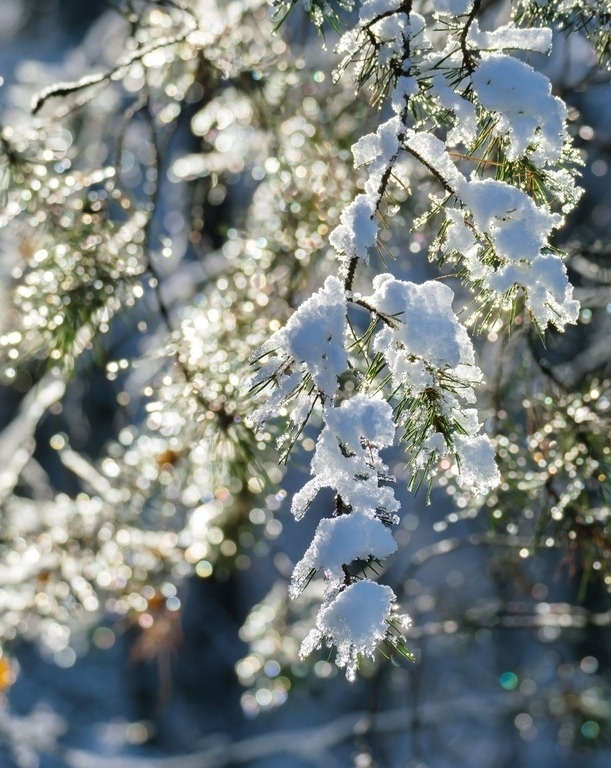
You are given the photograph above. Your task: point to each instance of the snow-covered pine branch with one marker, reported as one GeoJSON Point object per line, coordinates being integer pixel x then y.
{"type": "Point", "coordinates": [459, 101]}
{"type": "Point", "coordinates": [590, 19]}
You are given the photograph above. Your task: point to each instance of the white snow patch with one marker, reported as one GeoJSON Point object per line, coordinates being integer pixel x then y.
{"type": "Point", "coordinates": [362, 418]}
{"type": "Point", "coordinates": [358, 229]}
{"type": "Point", "coordinates": [353, 477]}
{"type": "Point", "coordinates": [381, 145]}
{"type": "Point", "coordinates": [550, 294]}
{"type": "Point", "coordinates": [372, 9]}
{"type": "Point", "coordinates": [519, 231]}
{"type": "Point", "coordinates": [517, 226]}
{"type": "Point", "coordinates": [464, 130]}
{"type": "Point", "coordinates": [347, 457]}
{"type": "Point", "coordinates": [405, 87]}
{"type": "Point", "coordinates": [433, 151]}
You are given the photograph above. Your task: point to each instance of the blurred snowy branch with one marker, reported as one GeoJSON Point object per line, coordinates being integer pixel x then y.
{"type": "Point", "coordinates": [17, 439]}
{"type": "Point", "coordinates": [26, 735]}
{"type": "Point", "coordinates": [313, 744]}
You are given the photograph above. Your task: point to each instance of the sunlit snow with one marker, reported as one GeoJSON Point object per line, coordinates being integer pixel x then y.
{"type": "Point", "coordinates": [341, 540]}
{"type": "Point", "coordinates": [355, 622]}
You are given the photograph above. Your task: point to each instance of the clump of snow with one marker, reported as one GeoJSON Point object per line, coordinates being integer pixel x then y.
{"type": "Point", "coordinates": [405, 87]}
{"type": "Point", "coordinates": [509, 37]}
{"type": "Point", "coordinates": [347, 458]}
{"type": "Point", "coordinates": [286, 385]}
{"type": "Point", "coordinates": [339, 541]}
{"type": "Point", "coordinates": [373, 9]}
{"type": "Point", "coordinates": [362, 419]}
{"type": "Point", "coordinates": [464, 129]}
{"type": "Point", "coordinates": [383, 144]}
{"type": "Point", "coordinates": [517, 226]}
{"type": "Point", "coordinates": [432, 151]}
{"type": "Point", "coordinates": [527, 112]}
{"type": "Point", "coordinates": [314, 339]}
{"type": "Point", "coordinates": [314, 335]}
{"type": "Point", "coordinates": [358, 229]}
{"type": "Point", "coordinates": [355, 621]}
{"type": "Point", "coordinates": [426, 326]}
{"type": "Point", "coordinates": [461, 240]}
{"type": "Point", "coordinates": [550, 294]}
{"type": "Point", "coordinates": [430, 357]}
{"type": "Point", "coordinates": [519, 231]}
{"type": "Point", "coordinates": [390, 29]}
{"type": "Point", "coordinates": [477, 468]}
{"type": "Point", "coordinates": [453, 7]}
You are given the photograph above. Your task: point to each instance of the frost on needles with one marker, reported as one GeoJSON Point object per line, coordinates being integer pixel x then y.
{"type": "Point", "coordinates": [460, 106]}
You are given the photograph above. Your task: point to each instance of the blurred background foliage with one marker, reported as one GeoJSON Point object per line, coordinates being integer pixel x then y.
{"type": "Point", "coordinates": [163, 211]}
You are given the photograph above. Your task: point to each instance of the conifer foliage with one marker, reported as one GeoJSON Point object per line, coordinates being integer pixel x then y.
{"type": "Point", "coordinates": [316, 264]}
{"type": "Point", "coordinates": [486, 126]}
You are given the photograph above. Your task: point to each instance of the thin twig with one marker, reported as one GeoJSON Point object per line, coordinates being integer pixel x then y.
{"type": "Point", "coordinates": [468, 59]}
